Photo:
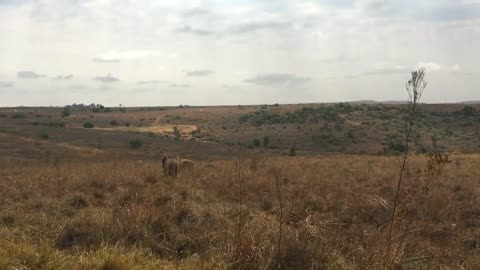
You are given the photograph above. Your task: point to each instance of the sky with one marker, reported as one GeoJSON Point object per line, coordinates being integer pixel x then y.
{"type": "Point", "coordinates": [214, 52]}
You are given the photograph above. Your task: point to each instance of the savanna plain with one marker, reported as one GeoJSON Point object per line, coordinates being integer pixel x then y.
{"type": "Point", "coordinates": [304, 186]}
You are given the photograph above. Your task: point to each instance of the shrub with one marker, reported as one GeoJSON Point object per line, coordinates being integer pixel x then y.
{"type": "Point", "coordinates": [135, 143]}
{"type": "Point", "coordinates": [151, 134]}
{"type": "Point", "coordinates": [7, 220]}
{"type": "Point", "coordinates": [256, 142]}
{"type": "Point", "coordinates": [396, 147]}
{"type": "Point", "coordinates": [44, 136]}
{"type": "Point", "coordinates": [80, 232]}
{"type": "Point", "coordinates": [78, 201]}
{"type": "Point", "coordinates": [127, 124]}
{"type": "Point", "coordinates": [266, 141]}
{"type": "Point", "coordinates": [114, 123]}
{"type": "Point", "coordinates": [56, 124]}
{"type": "Point", "coordinates": [66, 112]}
{"type": "Point", "coordinates": [18, 116]}
{"type": "Point", "coordinates": [469, 111]}
{"type": "Point", "coordinates": [88, 125]}
{"type": "Point", "coordinates": [162, 200]}
{"type": "Point", "coordinates": [291, 151]}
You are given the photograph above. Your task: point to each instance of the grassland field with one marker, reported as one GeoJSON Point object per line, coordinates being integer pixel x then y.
{"type": "Point", "coordinates": [75, 196]}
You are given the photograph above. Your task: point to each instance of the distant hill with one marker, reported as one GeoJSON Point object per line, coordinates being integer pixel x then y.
{"type": "Point", "coordinates": [360, 127]}
{"type": "Point", "coordinates": [471, 102]}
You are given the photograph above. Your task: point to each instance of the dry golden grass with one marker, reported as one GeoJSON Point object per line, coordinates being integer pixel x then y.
{"type": "Point", "coordinates": [118, 214]}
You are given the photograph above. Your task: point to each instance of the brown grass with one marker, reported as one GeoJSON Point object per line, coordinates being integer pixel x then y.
{"type": "Point", "coordinates": [95, 214]}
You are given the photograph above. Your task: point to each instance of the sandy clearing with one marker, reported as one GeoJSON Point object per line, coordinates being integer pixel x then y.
{"type": "Point", "coordinates": [186, 130]}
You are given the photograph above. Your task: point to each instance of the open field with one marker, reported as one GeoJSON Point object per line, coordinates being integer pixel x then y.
{"type": "Point", "coordinates": [77, 198]}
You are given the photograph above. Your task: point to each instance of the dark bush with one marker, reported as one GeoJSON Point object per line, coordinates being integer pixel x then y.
{"type": "Point", "coordinates": [469, 111]}
{"type": "Point", "coordinates": [7, 220]}
{"type": "Point", "coordinates": [291, 151]}
{"type": "Point", "coordinates": [18, 116]}
{"type": "Point", "coordinates": [44, 136]}
{"type": "Point", "coordinates": [81, 232]}
{"type": "Point", "coordinates": [135, 143]}
{"type": "Point", "coordinates": [114, 123]}
{"type": "Point", "coordinates": [266, 141]}
{"type": "Point", "coordinates": [88, 125]}
{"type": "Point", "coordinates": [78, 201]}
{"type": "Point", "coordinates": [56, 124]}
{"type": "Point", "coordinates": [256, 142]}
{"type": "Point", "coordinates": [66, 112]}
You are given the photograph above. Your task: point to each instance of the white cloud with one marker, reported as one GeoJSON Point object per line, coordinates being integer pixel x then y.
{"type": "Point", "coordinates": [117, 56]}
{"type": "Point", "coordinates": [455, 68]}
{"type": "Point", "coordinates": [429, 66]}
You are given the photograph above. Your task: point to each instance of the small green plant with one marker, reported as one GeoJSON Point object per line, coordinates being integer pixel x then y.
{"type": "Point", "coordinates": [292, 151]}
{"type": "Point", "coordinates": [266, 141]}
{"type": "Point", "coordinates": [88, 125]}
{"type": "Point", "coordinates": [135, 144]}
{"type": "Point", "coordinates": [256, 142]}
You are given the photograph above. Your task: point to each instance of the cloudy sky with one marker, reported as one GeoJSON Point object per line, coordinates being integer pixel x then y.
{"type": "Point", "coordinates": [159, 52]}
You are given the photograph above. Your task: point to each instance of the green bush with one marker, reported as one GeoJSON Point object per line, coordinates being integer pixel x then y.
{"type": "Point", "coordinates": [44, 136]}
{"type": "Point", "coordinates": [256, 142]}
{"type": "Point", "coordinates": [18, 116]}
{"type": "Point", "coordinates": [292, 151]}
{"type": "Point", "coordinates": [469, 111]}
{"type": "Point", "coordinates": [78, 200]}
{"type": "Point", "coordinates": [66, 112]}
{"type": "Point", "coordinates": [135, 143]}
{"type": "Point", "coordinates": [114, 123]}
{"type": "Point", "coordinates": [88, 125]}
{"type": "Point", "coordinates": [266, 141]}
{"type": "Point", "coordinates": [56, 124]}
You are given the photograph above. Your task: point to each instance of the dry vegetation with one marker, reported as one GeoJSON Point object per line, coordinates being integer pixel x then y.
{"type": "Point", "coordinates": [117, 214]}
{"type": "Point", "coordinates": [74, 196]}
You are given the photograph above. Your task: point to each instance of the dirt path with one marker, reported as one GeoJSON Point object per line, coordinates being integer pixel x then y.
{"type": "Point", "coordinates": [159, 129]}
{"type": "Point", "coordinates": [82, 149]}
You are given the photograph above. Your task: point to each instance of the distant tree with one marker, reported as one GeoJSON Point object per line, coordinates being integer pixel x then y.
{"type": "Point", "coordinates": [468, 111]}
{"type": "Point", "coordinates": [88, 125]}
{"type": "Point", "coordinates": [66, 111]}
